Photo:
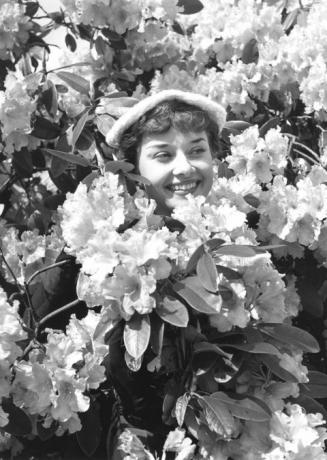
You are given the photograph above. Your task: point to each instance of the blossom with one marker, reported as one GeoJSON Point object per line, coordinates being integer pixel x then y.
{"type": "Point", "coordinates": [14, 27]}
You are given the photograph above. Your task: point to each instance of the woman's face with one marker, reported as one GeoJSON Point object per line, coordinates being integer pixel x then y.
{"type": "Point", "coordinates": [176, 164]}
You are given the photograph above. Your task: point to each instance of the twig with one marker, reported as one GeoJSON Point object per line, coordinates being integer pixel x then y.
{"type": "Point", "coordinates": [46, 318]}
{"type": "Point", "coordinates": [49, 267]}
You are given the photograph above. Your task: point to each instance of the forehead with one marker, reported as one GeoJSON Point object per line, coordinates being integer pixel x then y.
{"type": "Point", "coordinates": [173, 137]}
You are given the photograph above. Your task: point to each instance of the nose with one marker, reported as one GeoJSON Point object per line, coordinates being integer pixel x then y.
{"type": "Point", "coordinates": [182, 165]}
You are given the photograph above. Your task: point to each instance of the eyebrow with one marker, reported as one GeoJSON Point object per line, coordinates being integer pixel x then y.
{"type": "Point", "coordinates": [164, 144]}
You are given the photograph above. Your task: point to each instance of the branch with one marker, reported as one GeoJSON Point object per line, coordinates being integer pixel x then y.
{"type": "Point", "coordinates": [49, 267]}
{"type": "Point", "coordinates": [46, 318]}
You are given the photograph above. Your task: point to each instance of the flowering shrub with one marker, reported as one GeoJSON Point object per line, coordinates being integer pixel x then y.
{"type": "Point", "coordinates": [197, 336]}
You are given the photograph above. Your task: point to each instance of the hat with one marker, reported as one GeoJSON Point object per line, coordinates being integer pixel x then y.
{"type": "Point", "coordinates": [215, 111]}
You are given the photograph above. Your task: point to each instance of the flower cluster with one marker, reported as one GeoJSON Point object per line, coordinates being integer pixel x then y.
{"type": "Point", "coordinates": [14, 27]}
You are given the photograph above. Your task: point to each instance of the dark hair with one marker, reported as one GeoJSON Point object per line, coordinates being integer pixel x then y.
{"type": "Point", "coordinates": [171, 114]}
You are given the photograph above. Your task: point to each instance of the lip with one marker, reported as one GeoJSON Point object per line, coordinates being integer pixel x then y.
{"type": "Point", "coordinates": [184, 187]}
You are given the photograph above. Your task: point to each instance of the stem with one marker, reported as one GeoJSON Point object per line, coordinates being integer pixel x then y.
{"type": "Point", "coordinates": [69, 65]}
{"type": "Point", "coordinates": [307, 157]}
{"type": "Point", "coordinates": [314, 154]}
{"type": "Point", "coordinates": [49, 267]}
{"type": "Point", "coordinates": [68, 306]}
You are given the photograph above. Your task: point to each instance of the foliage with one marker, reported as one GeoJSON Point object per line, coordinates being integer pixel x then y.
{"type": "Point", "coordinates": [142, 336]}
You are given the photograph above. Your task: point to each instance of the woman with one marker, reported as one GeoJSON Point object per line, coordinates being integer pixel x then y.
{"type": "Point", "coordinates": [172, 139]}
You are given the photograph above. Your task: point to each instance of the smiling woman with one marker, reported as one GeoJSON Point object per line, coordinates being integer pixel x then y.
{"type": "Point", "coordinates": [171, 138]}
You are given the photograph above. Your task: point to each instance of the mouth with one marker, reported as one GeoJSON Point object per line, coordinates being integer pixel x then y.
{"type": "Point", "coordinates": [183, 188]}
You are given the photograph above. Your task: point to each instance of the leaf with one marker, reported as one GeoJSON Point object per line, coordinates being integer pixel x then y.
{"type": "Point", "coordinates": [157, 334]}
{"type": "Point", "coordinates": [46, 433]}
{"type": "Point", "coordinates": [228, 272]}
{"type": "Point", "coordinates": [277, 100]}
{"type": "Point", "coordinates": [245, 408]}
{"type": "Point", "coordinates": [250, 52]}
{"type": "Point", "coordinates": [79, 127]}
{"type": "Point", "coordinates": [236, 126]}
{"type": "Point", "coordinates": [272, 362]}
{"type": "Point", "coordinates": [50, 98]}
{"type": "Point", "coordinates": [70, 42]}
{"type": "Point", "coordinates": [205, 347]}
{"type": "Point", "coordinates": [271, 123]}
{"type": "Point", "coordinates": [104, 123]}
{"type": "Point", "coordinates": [133, 364]}
{"type": "Point", "coordinates": [180, 408]}
{"type": "Point", "coordinates": [203, 362]}
{"type": "Point", "coordinates": [137, 335]}
{"type": "Point", "coordinates": [22, 163]}
{"type": "Point", "coordinates": [31, 8]}
{"type": "Point", "coordinates": [310, 299]}
{"type": "Point", "coordinates": [19, 423]}
{"type": "Point", "coordinates": [44, 129]}
{"type": "Point", "coordinates": [173, 311]}
{"type": "Point", "coordinates": [292, 335]}
{"type": "Point", "coordinates": [194, 259]}
{"type": "Point", "coordinates": [310, 405]}
{"type": "Point", "coordinates": [190, 6]}
{"type": "Point", "coordinates": [116, 166]}
{"type": "Point", "coordinates": [257, 348]}
{"type": "Point", "coordinates": [89, 436]}
{"type": "Point", "coordinates": [238, 250]}
{"type": "Point", "coordinates": [76, 82]}
{"type": "Point", "coordinates": [219, 418]}
{"type": "Point", "coordinates": [70, 157]}
{"type": "Point", "coordinates": [207, 272]}
{"type": "Point", "coordinates": [189, 291]}
{"type": "Point", "coordinates": [251, 200]}
{"type": "Point", "coordinates": [138, 178]}
{"type": "Point", "coordinates": [317, 385]}
{"type": "Point", "coordinates": [290, 19]}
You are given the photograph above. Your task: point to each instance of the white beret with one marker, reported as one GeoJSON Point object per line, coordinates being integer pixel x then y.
{"type": "Point", "coordinates": [215, 111]}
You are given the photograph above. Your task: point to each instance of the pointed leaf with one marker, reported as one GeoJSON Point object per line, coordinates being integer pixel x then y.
{"type": "Point", "coordinates": [250, 52]}
{"type": "Point", "coordinates": [157, 334]}
{"type": "Point", "coordinates": [79, 127]}
{"type": "Point", "coordinates": [272, 362]}
{"type": "Point", "coordinates": [137, 335]}
{"type": "Point", "coordinates": [218, 416]}
{"type": "Point", "coordinates": [76, 82]}
{"type": "Point", "coordinates": [317, 385]}
{"type": "Point", "coordinates": [236, 126]}
{"type": "Point", "coordinates": [19, 423]}
{"type": "Point", "coordinates": [245, 409]}
{"type": "Point", "coordinates": [205, 347]}
{"type": "Point", "coordinates": [116, 166]}
{"type": "Point", "coordinates": [70, 42]}
{"type": "Point", "coordinates": [189, 291]}
{"type": "Point", "coordinates": [71, 158]}
{"type": "Point", "coordinates": [310, 405]}
{"type": "Point", "coordinates": [207, 273]}
{"type": "Point", "coordinates": [257, 348]}
{"type": "Point", "coordinates": [44, 129]}
{"type": "Point", "coordinates": [292, 335]}
{"type": "Point", "coordinates": [89, 436]}
{"type": "Point", "coordinates": [228, 272]}
{"type": "Point", "coordinates": [190, 6]}
{"type": "Point", "coordinates": [194, 259]}
{"type": "Point", "coordinates": [238, 250]}
{"type": "Point", "coordinates": [180, 408]}
{"type": "Point", "coordinates": [133, 364]}
{"type": "Point", "coordinates": [173, 311]}
{"type": "Point", "coordinates": [271, 123]}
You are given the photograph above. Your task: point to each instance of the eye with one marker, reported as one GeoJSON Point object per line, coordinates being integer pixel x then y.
{"type": "Point", "coordinates": [198, 151]}
{"type": "Point", "coordinates": [163, 156]}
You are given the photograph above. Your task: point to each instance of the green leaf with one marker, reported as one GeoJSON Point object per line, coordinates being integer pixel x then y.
{"type": "Point", "coordinates": [207, 272]}
{"type": "Point", "coordinates": [250, 52]}
{"type": "Point", "coordinates": [104, 123]}
{"type": "Point", "coordinates": [23, 163]}
{"type": "Point", "coordinates": [228, 272]}
{"type": "Point", "coordinates": [79, 127]}
{"type": "Point", "coordinates": [317, 385]}
{"type": "Point", "coordinates": [89, 436]}
{"type": "Point", "coordinates": [310, 299]}
{"type": "Point", "coordinates": [205, 347]}
{"type": "Point", "coordinates": [173, 311]}
{"type": "Point", "coordinates": [272, 362]}
{"type": "Point", "coordinates": [257, 348]}
{"type": "Point", "coordinates": [44, 129]}
{"type": "Point", "coordinates": [31, 8]}
{"type": "Point", "coordinates": [271, 123]}
{"type": "Point", "coordinates": [194, 259]}
{"type": "Point", "coordinates": [116, 166]}
{"type": "Point", "coordinates": [46, 433]}
{"type": "Point", "coordinates": [50, 98]}
{"type": "Point", "coordinates": [157, 334]}
{"type": "Point", "coordinates": [71, 158]}
{"type": "Point", "coordinates": [132, 363]}
{"type": "Point", "coordinates": [190, 6]}
{"type": "Point", "coordinates": [19, 423]}
{"type": "Point", "coordinates": [70, 42]}
{"type": "Point", "coordinates": [137, 178]}
{"type": "Point", "coordinates": [291, 19]}
{"type": "Point", "coordinates": [245, 408]}
{"type": "Point", "coordinates": [252, 200]}
{"type": "Point", "coordinates": [137, 335]}
{"type": "Point", "coordinates": [194, 294]}
{"type": "Point", "coordinates": [180, 408]}
{"type": "Point", "coordinates": [218, 417]}
{"type": "Point", "coordinates": [277, 100]}
{"type": "Point", "coordinates": [310, 405]}
{"type": "Point", "coordinates": [293, 336]}
{"type": "Point", "coordinates": [238, 250]}
{"type": "Point", "coordinates": [236, 126]}
{"type": "Point", "coordinates": [76, 82]}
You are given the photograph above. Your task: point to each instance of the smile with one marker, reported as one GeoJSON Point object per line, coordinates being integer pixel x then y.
{"type": "Point", "coordinates": [183, 188]}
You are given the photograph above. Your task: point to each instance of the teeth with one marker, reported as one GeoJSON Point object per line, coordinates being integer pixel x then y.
{"type": "Point", "coordinates": [183, 187]}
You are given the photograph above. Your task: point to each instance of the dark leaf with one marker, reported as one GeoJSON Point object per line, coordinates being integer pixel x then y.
{"type": "Point", "coordinates": [191, 265]}
{"type": "Point", "coordinates": [71, 158]}
{"type": "Point", "coordinates": [173, 311]}
{"type": "Point", "coordinates": [44, 129]}
{"type": "Point", "coordinates": [138, 178]}
{"type": "Point", "coordinates": [291, 19]}
{"type": "Point", "coordinates": [134, 364]}
{"type": "Point", "coordinates": [157, 334]}
{"type": "Point", "coordinates": [178, 28]}
{"type": "Point", "coordinates": [257, 348]}
{"type": "Point", "coordinates": [245, 408]}
{"type": "Point", "coordinates": [116, 166]}
{"type": "Point", "coordinates": [19, 423]}
{"type": "Point", "coordinates": [207, 273]}
{"type": "Point", "coordinates": [31, 8]}
{"type": "Point", "coordinates": [78, 128]}
{"type": "Point", "coordinates": [23, 163]}
{"type": "Point", "coordinates": [85, 31]}
{"type": "Point", "coordinates": [70, 42]}
{"type": "Point", "coordinates": [206, 347]}
{"type": "Point", "coordinates": [271, 123]}
{"type": "Point", "coordinates": [90, 435]}
{"type": "Point", "coordinates": [190, 291]}
{"type": "Point", "coordinates": [104, 123]}
{"type": "Point", "coordinates": [100, 45]}
{"type": "Point", "coordinates": [252, 200]}
{"type": "Point", "coordinates": [310, 405]}
{"type": "Point", "coordinates": [218, 417]}
{"type": "Point", "coordinates": [190, 6]}
{"type": "Point", "coordinates": [50, 98]}
{"type": "Point", "coordinates": [58, 166]}
{"type": "Point", "coordinates": [317, 385]}
{"type": "Point", "coordinates": [293, 336]}
{"type": "Point", "coordinates": [88, 180]}
{"type": "Point", "coordinates": [203, 362]}
{"type": "Point", "coordinates": [61, 89]}
{"type": "Point", "coordinates": [46, 433]}
{"type": "Point", "coordinates": [250, 52]}
{"type": "Point", "coordinates": [310, 299]}
{"type": "Point", "coordinates": [272, 362]}
{"type": "Point", "coordinates": [236, 126]}
{"type": "Point", "coordinates": [277, 100]}
{"type": "Point", "coordinates": [76, 82]}
{"type": "Point", "coordinates": [228, 272]}
{"type": "Point", "coordinates": [180, 408]}
{"type": "Point", "coordinates": [137, 335]}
